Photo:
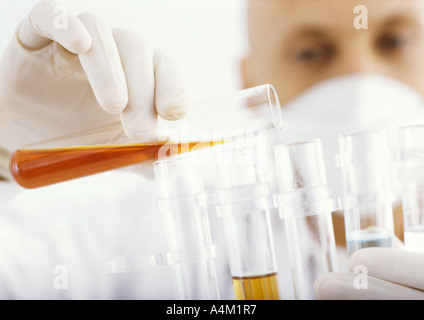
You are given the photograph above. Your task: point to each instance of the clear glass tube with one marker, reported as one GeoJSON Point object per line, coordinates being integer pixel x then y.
{"type": "Point", "coordinates": [211, 122]}
{"type": "Point", "coordinates": [240, 198]}
{"type": "Point", "coordinates": [409, 157]}
{"type": "Point", "coordinates": [183, 203]}
{"type": "Point", "coordinates": [305, 205]}
{"type": "Point", "coordinates": [4, 164]}
{"type": "Point", "coordinates": [364, 160]}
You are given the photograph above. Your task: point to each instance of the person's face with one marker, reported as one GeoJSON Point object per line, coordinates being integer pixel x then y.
{"type": "Point", "coordinates": [295, 44]}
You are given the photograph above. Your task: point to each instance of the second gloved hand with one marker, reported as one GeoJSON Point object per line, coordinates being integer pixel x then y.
{"type": "Point", "coordinates": [58, 78]}
{"type": "Point", "coordinates": [376, 273]}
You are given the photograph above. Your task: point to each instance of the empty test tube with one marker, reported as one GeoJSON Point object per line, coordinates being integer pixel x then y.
{"type": "Point", "coordinates": [182, 201]}
{"type": "Point", "coordinates": [305, 206]}
{"type": "Point", "coordinates": [409, 156]}
{"type": "Point", "coordinates": [241, 201]}
{"type": "Point", "coordinates": [364, 160]}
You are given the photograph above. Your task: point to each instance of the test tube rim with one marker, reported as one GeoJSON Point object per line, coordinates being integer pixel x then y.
{"type": "Point", "coordinates": [275, 106]}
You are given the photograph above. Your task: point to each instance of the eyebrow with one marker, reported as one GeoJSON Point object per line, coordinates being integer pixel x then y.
{"type": "Point", "coordinates": [404, 20]}
{"type": "Point", "coordinates": [309, 31]}
{"type": "Point", "coordinates": [319, 31]}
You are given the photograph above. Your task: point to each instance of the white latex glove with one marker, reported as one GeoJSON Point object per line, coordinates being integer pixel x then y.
{"type": "Point", "coordinates": [376, 273]}
{"type": "Point", "coordinates": [55, 81]}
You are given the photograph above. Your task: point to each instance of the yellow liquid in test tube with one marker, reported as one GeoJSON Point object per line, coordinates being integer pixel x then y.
{"type": "Point", "coordinates": [256, 288]}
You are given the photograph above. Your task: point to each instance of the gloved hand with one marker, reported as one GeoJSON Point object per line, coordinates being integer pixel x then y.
{"type": "Point", "coordinates": [63, 73]}
{"type": "Point", "coordinates": [376, 273]}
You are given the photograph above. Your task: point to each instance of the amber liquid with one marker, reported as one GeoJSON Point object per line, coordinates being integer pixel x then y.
{"type": "Point", "coordinates": [256, 288]}
{"type": "Point", "coordinates": [41, 167]}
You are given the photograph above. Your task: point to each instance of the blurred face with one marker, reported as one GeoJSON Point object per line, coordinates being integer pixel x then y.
{"type": "Point", "coordinates": [296, 44]}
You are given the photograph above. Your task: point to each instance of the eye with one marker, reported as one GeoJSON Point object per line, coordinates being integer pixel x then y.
{"type": "Point", "coordinates": [310, 54]}
{"type": "Point", "coordinates": [396, 41]}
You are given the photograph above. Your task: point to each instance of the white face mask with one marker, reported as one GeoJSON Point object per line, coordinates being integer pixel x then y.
{"type": "Point", "coordinates": [349, 104]}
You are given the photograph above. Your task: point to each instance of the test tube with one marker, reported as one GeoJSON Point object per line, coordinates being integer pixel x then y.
{"type": "Point", "coordinates": [4, 163]}
{"type": "Point", "coordinates": [409, 156]}
{"type": "Point", "coordinates": [240, 199]}
{"type": "Point", "coordinates": [364, 160]}
{"type": "Point", "coordinates": [305, 205]}
{"type": "Point", "coordinates": [105, 148]}
{"type": "Point", "coordinates": [183, 203]}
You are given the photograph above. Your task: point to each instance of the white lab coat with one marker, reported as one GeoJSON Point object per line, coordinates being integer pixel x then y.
{"type": "Point", "coordinates": [67, 231]}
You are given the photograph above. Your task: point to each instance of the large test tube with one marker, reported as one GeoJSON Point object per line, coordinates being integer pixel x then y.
{"type": "Point", "coordinates": [305, 205]}
{"type": "Point", "coordinates": [104, 148]}
{"type": "Point", "coordinates": [408, 155]}
{"type": "Point", "coordinates": [183, 203]}
{"type": "Point", "coordinates": [241, 201]}
{"type": "Point", "coordinates": [364, 160]}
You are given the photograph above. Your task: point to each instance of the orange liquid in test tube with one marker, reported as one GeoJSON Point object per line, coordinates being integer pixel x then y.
{"type": "Point", "coordinates": [34, 168]}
